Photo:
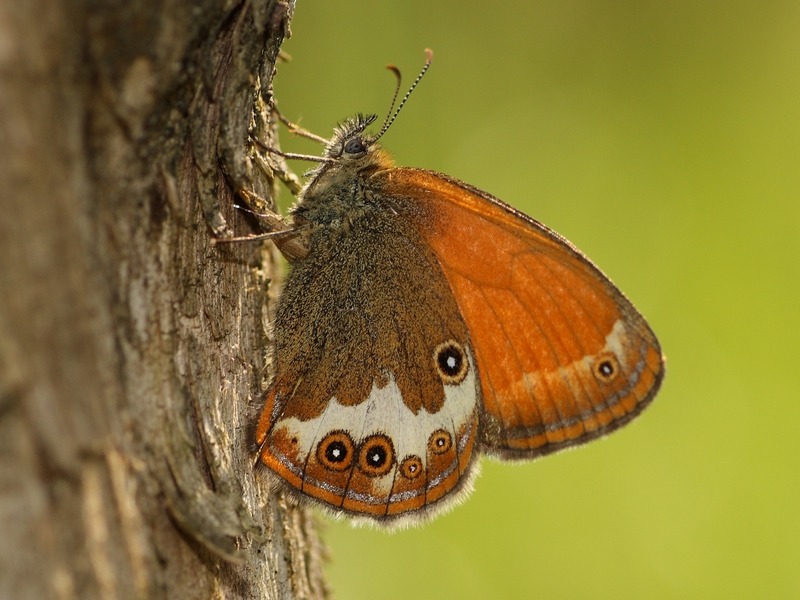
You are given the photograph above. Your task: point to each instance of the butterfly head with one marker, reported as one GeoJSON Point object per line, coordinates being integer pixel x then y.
{"type": "Point", "coordinates": [353, 149]}
{"type": "Point", "coordinates": [350, 140]}
{"type": "Point", "coordinates": [350, 155]}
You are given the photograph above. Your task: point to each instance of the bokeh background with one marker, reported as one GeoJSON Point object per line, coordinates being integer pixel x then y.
{"type": "Point", "coordinates": [663, 138]}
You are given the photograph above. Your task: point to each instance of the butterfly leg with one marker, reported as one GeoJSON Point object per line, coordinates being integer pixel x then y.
{"type": "Point", "coordinates": [276, 167]}
{"type": "Point", "coordinates": [289, 240]}
{"type": "Point", "coordinates": [296, 129]}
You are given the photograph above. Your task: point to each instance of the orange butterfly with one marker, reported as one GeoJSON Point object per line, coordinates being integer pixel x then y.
{"type": "Point", "coordinates": [424, 322]}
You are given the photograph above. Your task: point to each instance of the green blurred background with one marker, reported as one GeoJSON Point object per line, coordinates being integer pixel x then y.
{"type": "Point", "coordinates": [663, 138]}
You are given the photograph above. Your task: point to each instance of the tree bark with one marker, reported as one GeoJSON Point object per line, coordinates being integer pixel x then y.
{"type": "Point", "coordinates": [132, 350]}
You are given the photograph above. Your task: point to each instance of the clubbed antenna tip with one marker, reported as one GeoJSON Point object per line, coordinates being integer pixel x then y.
{"type": "Point", "coordinates": [391, 116]}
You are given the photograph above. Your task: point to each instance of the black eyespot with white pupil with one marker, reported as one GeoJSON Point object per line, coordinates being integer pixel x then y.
{"type": "Point", "coordinates": [355, 146]}
{"type": "Point", "coordinates": [606, 367]}
{"type": "Point", "coordinates": [451, 362]}
{"type": "Point", "coordinates": [376, 456]}
{"type": "Point", "coordinates": [335, 451]}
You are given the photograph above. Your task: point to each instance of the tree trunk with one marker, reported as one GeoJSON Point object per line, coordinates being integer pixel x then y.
{"type": "Point", "coordinates": [132, 350]}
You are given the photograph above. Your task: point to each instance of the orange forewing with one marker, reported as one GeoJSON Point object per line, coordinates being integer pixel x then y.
{"type": "Point", "coordinates": [563, 356]}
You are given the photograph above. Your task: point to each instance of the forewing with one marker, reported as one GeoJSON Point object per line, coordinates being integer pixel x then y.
{"type": "Point", "coordinates": [563, 356]}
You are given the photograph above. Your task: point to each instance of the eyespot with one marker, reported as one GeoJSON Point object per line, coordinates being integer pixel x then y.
{"type": "Point", "coordinates": [606, 367]}
{"type": "Point", "coordinates": [440, 442]}
{"type": "Point", "coordinates": [451, 362]}
{"type": "Point", "coordinates": [335, 451]}
{"type": "Point", "coordinates": [355, 146]}
{"type": "Point", "coordinates": [376, 456]}
{"type": "Point", "coordinates": [411, 467]}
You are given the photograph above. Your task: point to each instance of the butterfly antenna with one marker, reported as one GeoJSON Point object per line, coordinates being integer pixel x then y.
{"type": "Point", "coordinates": [399, 78]}
{"type": "Point", "coordinates": [391, 116]}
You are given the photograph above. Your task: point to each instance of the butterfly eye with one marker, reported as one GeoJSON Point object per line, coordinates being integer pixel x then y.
{"type": "Point", "coordinates": [335, 451]}
{"type": "Point", "coordinates": [355, 146]}
{"type": "Point", "coordinates": [451, 362]}
{"type": "Point", "coordinates": [376, 456]}
{"type": "Point", "coordinates": [440, 442]}
{"type": "Point", "coordinates": [411, 467]}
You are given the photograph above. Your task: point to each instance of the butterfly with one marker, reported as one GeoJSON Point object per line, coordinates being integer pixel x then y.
{"type": "Point", "coordinates": [425, 322]}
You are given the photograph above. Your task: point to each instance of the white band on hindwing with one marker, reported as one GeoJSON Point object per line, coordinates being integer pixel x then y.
{"type": "Point", "coordinates": [384, 412]}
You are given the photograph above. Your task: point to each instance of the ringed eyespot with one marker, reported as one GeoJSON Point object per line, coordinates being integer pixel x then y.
{"type": "Point", "coordinates": [440, 442]}
{"type": "Point", "coordinates": [606, 367]}
{"type": "Point", "coordinates": [411, 467]}
{"type": "Point", "coordinates": [376, 455]}
{"type": "Point", "coordinates": [451, 362]}
{"type": "Point", "coordinates": [335, 451]}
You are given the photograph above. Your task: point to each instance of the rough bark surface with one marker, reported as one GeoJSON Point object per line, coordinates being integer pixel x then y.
{"type": "Point", "coordinates": [132, 350]}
